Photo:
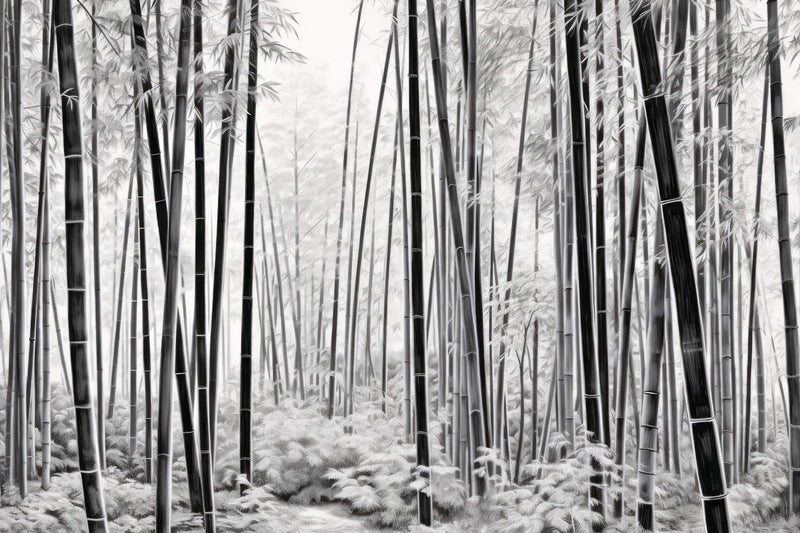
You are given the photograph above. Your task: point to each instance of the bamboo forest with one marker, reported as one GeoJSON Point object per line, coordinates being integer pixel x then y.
{"type": "Point", "coordinates": [492, 266]}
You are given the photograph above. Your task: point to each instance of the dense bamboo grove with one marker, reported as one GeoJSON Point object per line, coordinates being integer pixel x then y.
{"type": "Point", "coordinates": [552, 303]}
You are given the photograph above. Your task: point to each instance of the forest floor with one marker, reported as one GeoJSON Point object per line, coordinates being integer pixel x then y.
{"type": "Point", "coordinates": [357, 474]}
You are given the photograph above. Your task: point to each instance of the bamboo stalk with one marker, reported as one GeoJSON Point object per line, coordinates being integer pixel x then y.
{"type": "Point", "coordinates": [335, 313]}
{"type": "Point", "coordinates": [170, 319]}
{"type": "Point", "coordinates": [85, 420]}
{"type": "Point", "coordinates": [711, 477]}
{"type": "Point", "coordinates": [246, 372]}
{"type": "Point", "coordinates": [785, 250]}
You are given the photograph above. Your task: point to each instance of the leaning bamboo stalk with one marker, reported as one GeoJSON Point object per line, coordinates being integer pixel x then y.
{"type": "Point", "coordinates": [365, 207]}
{"type": "Point", "coordinates": [476, 414]}
{"type": "Point", "coordinates": [276, 259]}
{"type": "Point", "coordinates": [336, 281]}
{"type": "Point", "coordinates": [223, 206]}
{"type": "Point", "coordinates": [348, 307]}
{"type": "Point", "coordinates": [60, 342]}
{"type": "Point", "coordinates": [711, 477]}
{"type": "Point", "coordinates": [406, 285]}
{"type": "Point", "coordinates": [753, 290]}
{"type": "Point", "coordinates": [512, 241]}
{"type": "Point", "coordinates": [581, 177]}
{"type": "Point", "coordinates": [120, 298]}
{"type": "Point", "coordinates": [85, 421]}
{"type": "Point", "coordinates": [276, 374]}
{"type": "Point", "coordinates": [170, 318]}
{"type": "Point", "coordinates": [625, 314]}
{"type": "Point", "coordinates": [785, 250]}
{"type": "Point", "coordinates": [386, 272]}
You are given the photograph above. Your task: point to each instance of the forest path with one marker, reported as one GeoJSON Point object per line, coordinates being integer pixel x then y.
{"type": "Point", "coordinates": [330, 518]}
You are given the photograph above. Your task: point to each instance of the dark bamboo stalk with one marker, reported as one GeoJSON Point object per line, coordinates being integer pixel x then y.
{"type": "Point", "coordinates": [580, 176]}
{"type": "Point", "coordinates": [711, 477]}
{"type": "Point", "coordinates": [424, 501]}
{"type": "Point", "coordinates": [245, 387]}
{"type": "Point", "coordinates": [512, 241]}
{"type": "Point", "coordinates": [335, 313]}
{"type": "Point", "coordinates": [223, 206]}
{"type": "Point", "coordinates": [600, 230]}
{"type": "Point", "coordinates": [200, 278]}
{"type": "Point", "coordinates": [171, 294]}
{"type": "Point", "coordinates": [753, 310]}
{"type": "Point", "coordinates": [85, 421]}
{"type": "Point", "coordinates": [120, 298]}
{"type": "Point", "coordinates": [785, 250]}
{"type": "Point", "coordinates": [98, 305]}
{"type": "Point", "coordinates": [365, 207]}
{"type": "Point", "coordinates": [628, 282]}
{"type": "Point", "coordinates": [145, 302]}
{"type": "Point", "coordinates": [651, 388]}
{"type": "Point", "coordinates": [386, 271]}
{"type": "Point", "coordinates": [17, 192]}
{"type": "Point", "coordinates": [476, 414]}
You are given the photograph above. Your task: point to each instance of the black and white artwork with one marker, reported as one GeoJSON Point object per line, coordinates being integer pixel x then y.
{"type": "Point", "coordinates": [327, 266]}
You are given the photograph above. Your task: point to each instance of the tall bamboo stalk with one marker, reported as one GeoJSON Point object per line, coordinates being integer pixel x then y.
{"type": "Point", "coordinates": [753, 310]}
{"type": "Point", "coordinates": [599, 228]}
{"type": "Point", "coordinates": [386, 272]}
{"type": "Point", "coordinates": [145, 302]}
{"type": "Point", "coordinates": [245, 387]}
{"type": "Point", "coordinates": [512, 241]}
{"type": "Point", "coordinates": [628, 282]}
{"type": "Point", "coordinates": [424, 501]}
{"type": "Point", "coordinates": [120, 298]}
{"type": "Point", "coordinates": [651, 388]}
{"type": "Point", "coordinates": [711, 477]}
{"type": "Point", "coordinates": [132, 375]}
{"type": "Point", "coordinates": [85, 421]}
{"type": "Point", "coordinates": [48, 53]}
{"type": "Point", "coordinates": [365, 207]}
{"type": "Point", "coordinates": [200, 295]}
{"type": "Point", "coordinates": [98, 309]}
{"type": "Point", "coordinates": [14, 132]}
{"type": "Point", "coordinates": [223, 206]}
{"type": "Point", "coordinates": [335, 312]}
{"type": "Point", "coordinates": [170, 319]}
{"type": "Point", "coordinates": [476, 414]}
{"type": "Point", "coordinates": [785, 250]}
{"type": "Point", "coordinates": [580, 177]}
